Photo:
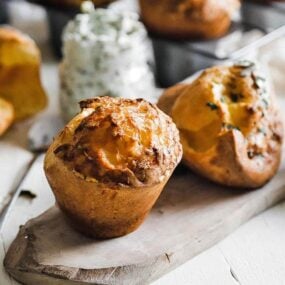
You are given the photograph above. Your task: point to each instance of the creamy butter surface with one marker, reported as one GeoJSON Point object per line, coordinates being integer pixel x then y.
{"type": "Point", "coordinates": [105, 53]}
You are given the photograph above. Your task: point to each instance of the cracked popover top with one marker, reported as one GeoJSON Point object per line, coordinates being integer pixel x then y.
{"type": "Point", "coordinates": [226, 98]}
{"type": "Point", "coordinates": [229, 125]}
{"type": "Point", "coordinates": [120, 142]}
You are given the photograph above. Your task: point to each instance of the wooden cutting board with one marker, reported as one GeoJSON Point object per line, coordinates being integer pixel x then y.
{"type": "Point", "coordinates": [190, 216]}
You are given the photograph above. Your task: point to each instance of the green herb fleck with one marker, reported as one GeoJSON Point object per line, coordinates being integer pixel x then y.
{"type": "Point", "coordinates": [261, 130]}
{"type": "Point", "coordinates": [212, 105]}
{"type": "Point", "coordinates": [230, 127]}
{"type": "Point", "coordinates": [265, 103]}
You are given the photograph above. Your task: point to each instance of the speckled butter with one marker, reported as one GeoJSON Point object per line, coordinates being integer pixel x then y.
{"type": "Point", "coordinates": [105, 53]}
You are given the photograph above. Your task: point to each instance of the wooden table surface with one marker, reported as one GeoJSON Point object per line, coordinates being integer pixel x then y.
{"type": "Point", "coordinates": [254, 254]}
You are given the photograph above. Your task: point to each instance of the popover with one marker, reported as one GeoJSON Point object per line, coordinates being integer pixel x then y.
{"type": "Point", "coordinates": [20, 82]}
{"type": "Point", "coordinates": [229, 126]}
{"type": "Point", "coordinates": [186, 19]}
{"type": "Point", "coordinates": [110, 163]}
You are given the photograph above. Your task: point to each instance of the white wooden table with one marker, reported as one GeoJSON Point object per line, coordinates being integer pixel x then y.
{"type": "Point", "coordinates": [254, 254]}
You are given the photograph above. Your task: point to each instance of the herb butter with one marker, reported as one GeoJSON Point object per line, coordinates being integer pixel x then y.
{"type": "Point", "coordinates": [105, 53]}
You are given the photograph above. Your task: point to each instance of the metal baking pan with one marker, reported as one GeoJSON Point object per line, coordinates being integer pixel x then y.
{"type": "Point", "coordinates": [57, 17]}
{"type": "Point", "coordinates": [257, 25]}
{"type": "Point", "coordinates": [3, 12]}
{"type": "Point", "coordinates": [57, 20]}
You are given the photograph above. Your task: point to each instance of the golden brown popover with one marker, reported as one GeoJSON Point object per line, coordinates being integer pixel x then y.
{"type": "Point", "coordinates": [185, 19]}
{"type": "Point", "coordinates": [110, 163]}
{"type": "Point", "coordinates": [20, 73]}
{"type": "Point", "coordinates": [6, 115]}
{"type": "Point", "coordinates": [229, 126]}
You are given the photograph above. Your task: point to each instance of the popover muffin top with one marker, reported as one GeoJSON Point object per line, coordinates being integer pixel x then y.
{"type": "Point", "coordinates": [19, 45]}
{"type": "Point", "coordinates": [120, 142]}
{"type": "Point", "coordinates": [190, 10]}
{"type": "Point", "coordinates": [198, 9]}
{"type": "Point", "coordinates": [188, 19]}
{"type": "Point", "coordinates": [227, 98]}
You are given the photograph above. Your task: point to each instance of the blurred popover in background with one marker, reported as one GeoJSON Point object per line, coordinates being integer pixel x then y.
{"type": "Point", "coordinates": [20, 81]}
{"type": "Point", "coordinates": [186, 19]}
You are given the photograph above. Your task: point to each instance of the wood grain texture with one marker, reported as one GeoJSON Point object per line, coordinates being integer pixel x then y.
{"type": "Point", "coordinates": [190, 216]}
{"type": "Point", "coordinates": [254, 254]}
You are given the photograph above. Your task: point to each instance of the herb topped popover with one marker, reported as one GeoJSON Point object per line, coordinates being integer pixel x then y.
{"type": "Point", "coordinates": [229, 126]}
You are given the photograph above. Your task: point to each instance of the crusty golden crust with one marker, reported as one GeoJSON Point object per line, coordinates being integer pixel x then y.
{"type": "Point", "coordinates": [6, 115]}
{"type": "Point", "coordinates": [229, 127]}
{"type": "Point", "coordinates": [121, 141]}
{"type": "Point", "coordinates": [20, 73]}
{"type": "Point", "coordinates": [188, 18]}
{"type": "Point", "coordinates": [170, 95]}
{"type": "Point", "coordinates": [11, 38]}
{"type": "Point", "coordinates": [110, 163]}
{"type": "Point", "coordinates": [95, 209]}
